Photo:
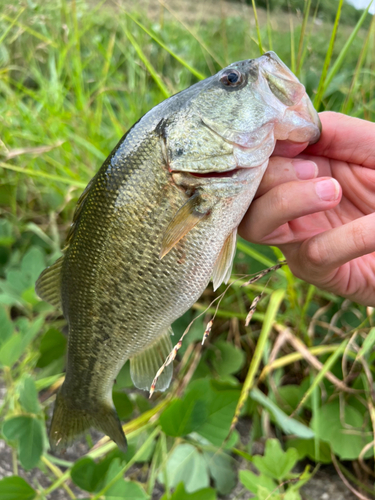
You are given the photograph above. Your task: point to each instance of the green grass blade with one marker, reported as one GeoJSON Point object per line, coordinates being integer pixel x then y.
{"type": "Point", "coordinates": [3, 36]}
{"type": "Point", "coordinates": [306, 14]}
{"type": "Point", "coordinates": [251, 252]}
{"type": "Point", "coordinates": [312, 24]}
{"type": "Point", "coordinates": [44, 175]}
{"type": "Point", "coordinates": [254, 254]}
{"type": "Point", "coordinates": [353, 86]}
{"type": "Point", "coordinates": [292, 47]}
{"type": "Point", "coordinates": [322, 83]}
{"type": "Point", "coordinates": [193, 34]}
{"type": "Point", "coordinates": [257, 28]}
{"type": "Point", "coordinates": [32, 32]}
{"type": "Point", "coordinates": [341, 57]}
{"type": "Point", "coordinates": [166, 48]}
{"type": "Point", "coordinates": [326, 368]}
{"type": "Point", "coordinates": [147, 63]}
{"type": "Point", "coordinates": [272, 309]}
{"type": "Point", "coordinates": [269, 28]}
{"type": "Point", "coordinates": [315, 399]}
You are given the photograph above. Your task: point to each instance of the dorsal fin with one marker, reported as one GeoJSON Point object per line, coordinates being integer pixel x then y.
{"type": "Point", "coordinates": [145, 365]}
{"type": "Point", "coordinates": [224, 263]}
{"type": "Point", "coordinates": [48, 285]}
{"type": "Point", "coordinates": [77, 212]}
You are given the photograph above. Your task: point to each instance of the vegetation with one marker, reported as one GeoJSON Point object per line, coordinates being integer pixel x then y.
{"type": "Point", "coordinates": [325, 10]}
{"type": "Point", "coordinates": [74, 77]}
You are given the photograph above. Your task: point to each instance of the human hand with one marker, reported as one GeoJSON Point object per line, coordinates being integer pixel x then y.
{"type": "Point", "coordinates": [324, 223]}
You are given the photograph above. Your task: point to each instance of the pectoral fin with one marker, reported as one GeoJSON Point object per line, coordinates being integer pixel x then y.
{"type": "Point", "coordinates": [224, 263]}
{"type": "Point", "coordinates": [185, 219]}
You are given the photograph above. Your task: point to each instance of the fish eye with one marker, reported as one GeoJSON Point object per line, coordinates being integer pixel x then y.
{"type": "Point", "coordinates": [231, 78]}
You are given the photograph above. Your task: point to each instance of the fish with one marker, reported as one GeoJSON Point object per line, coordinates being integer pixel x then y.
{"type": "Point", "coordinates": [156, 223]}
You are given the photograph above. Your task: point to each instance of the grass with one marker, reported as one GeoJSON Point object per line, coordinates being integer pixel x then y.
{"type": "Point", "coordinates": [74, 77]}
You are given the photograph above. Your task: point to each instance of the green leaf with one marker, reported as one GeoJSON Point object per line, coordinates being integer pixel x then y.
{"type": "Point", "coordinates": [52, 347]}
{"type": "Point", "coordinates": [226, 358]}
{"type": "Point", "coordinates": [17, 280]}
{"type": "Point", "coordinates": [32, 264]}
{"type": "Point", "coordinates": [343, 428]}
{"type": "Point", "coordinates": [292, 495]}
{"type": "Point", "coordinates": [28, 432]}
{"type": "Point", "coordinates": [276, 463]}
{"type": "Point", "coordinates": [123, 379]}
{"type": "Point", "coordinates": [183, 417]}
{"type": "Point", "coordinates": [6, 238]}
{"type": "Point", "coordinates": [252, 482]}
{"type": "Point", "coordinates": [368, 343]}
{"type": "Point", "coordinates": [84, 474]}
{"type": "Point", "coordinates": [7, 327]}
{"type": "Point", "coordinates": [11, 350]}
{"type": "Point", "coordinates": [14, 347]}
{"type": "Point", "coordinates": [186, 464]}
{"type": "Point", "coordinates": [220, 466]}
{"type": "Point", "coordinates": [29, 396]}
{"type": "Point", "coordinates": [221, 400]}
{"type": "Point", "coordinates": [126, 489]}
{"type": "Point", "coordinates": [91, 476]}
{"type": "Point", "coordinates": [181, 494]}
{"type": "Point", "coordinates": [288, 425]}
{"type": "Point", "coordinates": [16, 488]}
{"type": "Point", "coordinates": [134, 445]}
{"type": "Point", "coordinates": [306, 448]}
{"type": "Point", "coordinates": [123, 404]}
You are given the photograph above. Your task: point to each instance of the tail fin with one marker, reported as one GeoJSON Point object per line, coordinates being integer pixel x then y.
{"type": "Point", "coordinates": [69, 422]}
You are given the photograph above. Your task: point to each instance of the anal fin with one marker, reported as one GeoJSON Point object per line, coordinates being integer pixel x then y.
{"type": "Point", "coordinates": [48, 285]}
{"type": "Point", "coordinates": [224, 263]}
{"type": "Point", "coordinates": [144, 366]}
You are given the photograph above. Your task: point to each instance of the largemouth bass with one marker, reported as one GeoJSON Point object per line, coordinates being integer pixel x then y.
{"type": "Point", "coordinates": [156, 224]}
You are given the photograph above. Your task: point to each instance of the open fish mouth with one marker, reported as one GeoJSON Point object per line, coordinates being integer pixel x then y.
{"type": "Point", "coordinates": [228, 173]}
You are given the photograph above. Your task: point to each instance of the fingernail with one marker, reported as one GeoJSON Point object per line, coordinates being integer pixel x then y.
{"type": "Point", "coordinates": [328, 190]}
{"type": "Point", "coordinates": [305, 169]}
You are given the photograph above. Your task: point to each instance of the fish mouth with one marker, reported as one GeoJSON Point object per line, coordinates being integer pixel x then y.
{"type": "Point", "coordinates": [237, 175]}
{"type": "Point", "coordinates": [216, 175]}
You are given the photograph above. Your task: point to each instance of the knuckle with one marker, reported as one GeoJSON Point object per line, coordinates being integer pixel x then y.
{"type": "Point", "coordinates": [359, 238]}
{"type": "Point", "coordinates": [281, 202]}
{"type": "Point", "coordinates": [314, 253]}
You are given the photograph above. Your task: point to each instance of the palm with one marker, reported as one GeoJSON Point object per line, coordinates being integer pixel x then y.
{"type": "Point", "coordinates": [358, 199]}
{"type": "Point", "coordinates": [328, 241]}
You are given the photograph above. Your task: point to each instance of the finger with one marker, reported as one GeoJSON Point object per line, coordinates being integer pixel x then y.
{"type": "Point", "coordinates": [281, 170]}
{"type": "Point", "coordinates": [264, 221]}
{"type": "Point", "coordinates": [345, 138]}
{"type": "Point", "coordinates": [322, 254]}
{"type": "Point", "coordinates": [289, 149]}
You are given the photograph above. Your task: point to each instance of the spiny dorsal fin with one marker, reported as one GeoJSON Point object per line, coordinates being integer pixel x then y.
{"type": "Point", "coordinates": [48, 285]}
{"type": "Point", "coordinates": [185, 219]}
{"type": "Point", "coordinates": [223, 266]}
{"type": "Point", "coordinates": [144, 366]}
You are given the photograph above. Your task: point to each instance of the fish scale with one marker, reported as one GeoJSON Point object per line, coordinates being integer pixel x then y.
{"type": "Point", "coordinates": [156, 223]}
